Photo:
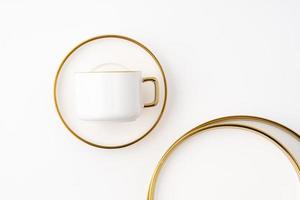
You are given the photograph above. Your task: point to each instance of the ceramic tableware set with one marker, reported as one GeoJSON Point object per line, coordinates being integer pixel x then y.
{"type": "Point", "coordinates": [108, 94]}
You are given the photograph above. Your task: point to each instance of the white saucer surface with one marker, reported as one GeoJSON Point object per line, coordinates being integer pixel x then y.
{"type": "Point", "coordinates": [228, 164]}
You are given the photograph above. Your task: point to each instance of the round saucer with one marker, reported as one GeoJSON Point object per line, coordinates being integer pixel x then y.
{"type": "Point", "coordinates": [90, 54]}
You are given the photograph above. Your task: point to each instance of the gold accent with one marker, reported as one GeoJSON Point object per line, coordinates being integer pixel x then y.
{"type": "Point", "coordinates": [156, 91]}
{"type": "Point", "coordinates": [103, 37]}
{"type": "Point", "coordinates": [206, 126]}
{"type": "Point", "coordinates": [255, 119]}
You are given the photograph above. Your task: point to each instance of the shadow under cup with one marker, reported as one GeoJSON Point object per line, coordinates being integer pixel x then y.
{"type": "Point", "coordinates": [110, 95]}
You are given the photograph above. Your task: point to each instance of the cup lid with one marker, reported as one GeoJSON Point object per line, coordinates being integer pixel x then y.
{"type": "Point", "coordinates": [111, 67]}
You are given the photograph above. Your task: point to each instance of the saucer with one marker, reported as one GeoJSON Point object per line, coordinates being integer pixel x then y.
{"type": "Point", "coordinates": [97, 51]}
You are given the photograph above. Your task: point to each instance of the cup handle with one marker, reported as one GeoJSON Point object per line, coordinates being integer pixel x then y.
{"type": "Point", "coordinates": [156, 91]}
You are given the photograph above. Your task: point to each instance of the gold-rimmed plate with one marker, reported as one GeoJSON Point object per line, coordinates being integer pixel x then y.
{"type": "Point", "coordinates": [226, 161]}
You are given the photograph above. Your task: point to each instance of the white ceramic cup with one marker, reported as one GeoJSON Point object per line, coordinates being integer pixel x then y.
{"type": "Point", "coordinates": [111, 95]}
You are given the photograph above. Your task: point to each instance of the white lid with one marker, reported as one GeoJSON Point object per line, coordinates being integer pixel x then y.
{"type": "Point", "coordinates": [109, 67]}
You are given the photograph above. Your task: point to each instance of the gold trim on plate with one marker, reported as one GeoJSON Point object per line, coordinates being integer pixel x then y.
{"type": "Point", "coordinates": [98, 38]}
{"type": "Point", "coordinates": [209, 125]}
{"type": "Point", "coordinates": [254, 119]}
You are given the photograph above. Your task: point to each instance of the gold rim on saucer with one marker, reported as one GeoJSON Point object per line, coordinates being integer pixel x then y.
{"type": "Point", "coordinates": [163, 101]}
{"type": "Point", "coordinates": [201, 129]}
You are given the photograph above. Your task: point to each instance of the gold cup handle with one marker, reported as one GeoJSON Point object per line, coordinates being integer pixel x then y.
{"type": "Point", "coordinates": [156, 91]}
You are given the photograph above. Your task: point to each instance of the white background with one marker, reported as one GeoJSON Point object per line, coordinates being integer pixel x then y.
{"type": "Point", "coordinates": [220, 58]}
